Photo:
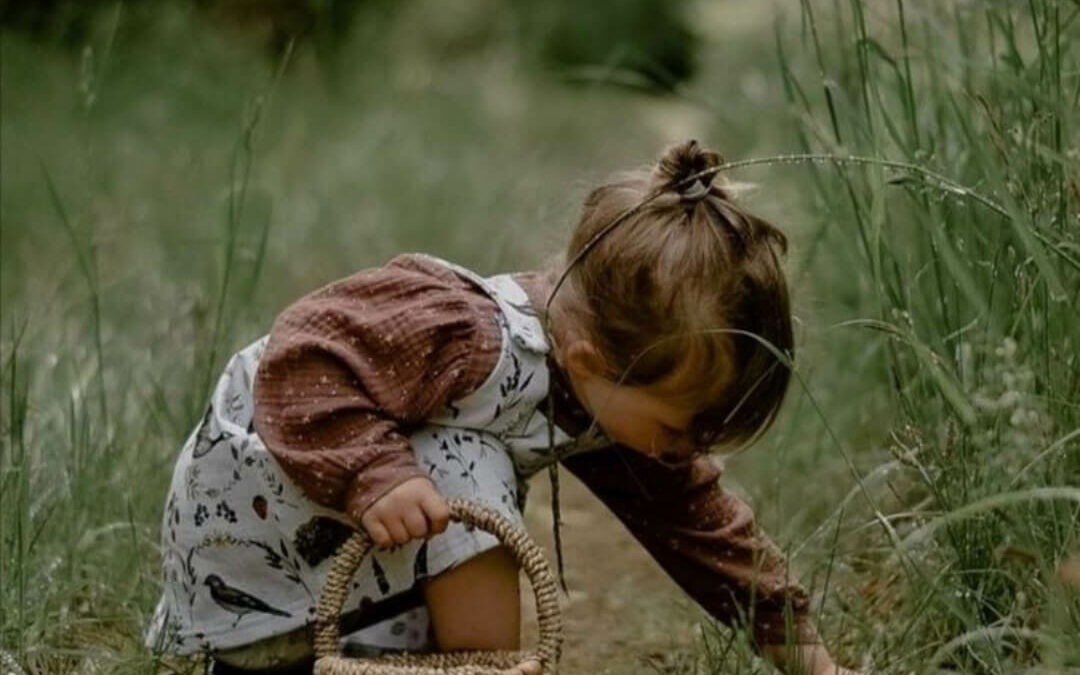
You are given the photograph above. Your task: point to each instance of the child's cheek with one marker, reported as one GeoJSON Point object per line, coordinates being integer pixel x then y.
{"type": "Point", "coordinates": [633, 435]}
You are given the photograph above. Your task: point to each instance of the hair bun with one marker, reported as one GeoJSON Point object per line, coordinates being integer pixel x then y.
{"type": "Point", "coordinates": [682, 161]}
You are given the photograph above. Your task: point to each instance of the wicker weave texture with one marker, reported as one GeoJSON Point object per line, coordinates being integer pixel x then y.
{"type": "Point", "coordinates": [329, 660]}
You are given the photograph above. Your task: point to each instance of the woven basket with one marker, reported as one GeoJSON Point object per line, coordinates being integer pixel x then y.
{"type": "Point", "coordinates": [330, 661]}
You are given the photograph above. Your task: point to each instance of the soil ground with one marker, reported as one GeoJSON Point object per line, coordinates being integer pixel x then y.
{"type": "Point", "coordinates": [623, 614]}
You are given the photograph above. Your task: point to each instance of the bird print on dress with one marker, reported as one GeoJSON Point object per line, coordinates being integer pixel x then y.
{"type": "Point", "coordinates": [237, 602]}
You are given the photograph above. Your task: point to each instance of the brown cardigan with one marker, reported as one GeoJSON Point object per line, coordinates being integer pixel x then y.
{"type": "Point", "coordinates": [351, 367]}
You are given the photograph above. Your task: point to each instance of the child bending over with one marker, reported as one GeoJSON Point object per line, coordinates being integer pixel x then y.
{"type": "Point", "coordinates": [379, 396]}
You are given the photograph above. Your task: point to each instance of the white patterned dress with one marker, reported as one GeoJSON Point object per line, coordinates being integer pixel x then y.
{"type": "Point", "coordinates": [245, 553]}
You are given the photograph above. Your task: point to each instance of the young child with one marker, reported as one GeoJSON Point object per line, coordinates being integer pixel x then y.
{"type": "Point", "coordinates": [379, 396]}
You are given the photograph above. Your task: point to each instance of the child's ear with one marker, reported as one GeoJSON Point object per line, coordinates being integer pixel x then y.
{"type": "Point", "coordinates": [584, 360]}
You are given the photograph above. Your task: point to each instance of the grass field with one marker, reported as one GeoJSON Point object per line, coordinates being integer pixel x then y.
{"type": "Point", "coordinates": [167, 190]}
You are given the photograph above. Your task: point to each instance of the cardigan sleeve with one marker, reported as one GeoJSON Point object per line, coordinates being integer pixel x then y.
{"type": "Point", "coordinates": [704, 537]}
{"type": "Point", "coordinates": [351, 367]}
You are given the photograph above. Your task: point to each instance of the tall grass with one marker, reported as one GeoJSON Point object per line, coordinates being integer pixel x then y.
{"type": "Point", "coordinates": [951, 554]}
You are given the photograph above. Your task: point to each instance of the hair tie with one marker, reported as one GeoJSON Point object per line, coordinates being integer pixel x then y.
{"type": "Point", "coordinates": [697, 191]}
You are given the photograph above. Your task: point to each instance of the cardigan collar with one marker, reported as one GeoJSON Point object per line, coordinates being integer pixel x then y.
{"type": "Point", "coordinates": [570, 414]}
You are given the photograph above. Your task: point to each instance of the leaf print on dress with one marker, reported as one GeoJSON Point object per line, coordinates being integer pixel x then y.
{"type": "Point", "coordinates": [454, 455]}
{"type": "Point", "coordinates": [172, 517]}
{"type": "Point", "coordinates": [510, 383]}
{"type": "Point", "coordinates": [513, 391]}
{"type": "Point", "coordinates": [205, 441]}
{"type": "Point", "coordinates": [380, 575]}
{"type": "Point", "coordinates": [289, 564]}
{"type": "Point", "coordinates": [238, 407]}
{"type": "Point", "coordinates": [434, 469]}
{"type": "Point", "coordinates": [420, 564]}
{"type": "Point", "coordinates": [483, 443]}
{"type": "Point", "coordinates": [510, 494]}
{"type": "Point", "coordinates": [271, 478]}
{"type": "Point", "coordinates": [199, 478]}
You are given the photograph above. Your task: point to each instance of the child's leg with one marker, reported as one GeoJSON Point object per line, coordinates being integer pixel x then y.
{"type": "Point", "coordinates": [476, 605]}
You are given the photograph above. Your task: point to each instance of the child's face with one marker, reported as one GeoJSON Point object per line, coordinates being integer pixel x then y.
{"type": "Point", "coordinates": [650, 420]}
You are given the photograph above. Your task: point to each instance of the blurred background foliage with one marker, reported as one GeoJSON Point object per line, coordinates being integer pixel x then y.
{"type": "Point", "coordinates": [648, 41]}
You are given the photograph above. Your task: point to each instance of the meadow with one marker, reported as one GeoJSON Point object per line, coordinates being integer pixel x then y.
{"type": "Point", "coordinates": [166, 187]}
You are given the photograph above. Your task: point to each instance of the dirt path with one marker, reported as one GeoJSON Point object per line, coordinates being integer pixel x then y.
{"type": "Point", "coordinates": [624, 615]}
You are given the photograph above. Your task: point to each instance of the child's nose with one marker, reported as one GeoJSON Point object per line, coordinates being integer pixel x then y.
{"type": "Point", "coordinates": [677, 453]}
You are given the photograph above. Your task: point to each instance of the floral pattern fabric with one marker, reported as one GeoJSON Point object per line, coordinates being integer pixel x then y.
{"type": "Point", "coordinates": [245, 553]}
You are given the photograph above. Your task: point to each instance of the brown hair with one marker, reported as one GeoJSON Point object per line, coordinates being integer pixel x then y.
{"type": "Point", "coordinates": [652, 292]}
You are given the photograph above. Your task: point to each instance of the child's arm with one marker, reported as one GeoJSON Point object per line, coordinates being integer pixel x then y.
{"type": "Point", "coordinates": [707, 540]}
{"type": "Point", "coordinates": [349, 367]}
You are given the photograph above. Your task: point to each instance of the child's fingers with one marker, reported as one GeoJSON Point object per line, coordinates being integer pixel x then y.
{"type": "Point", "coordinates": [378, 533]}
{"type": "Point", "coordinates": [416, 523]}
{"type": "Point", "coordinates": [437, 511]}
{"type": "Point", "coordinates": [398, 532]}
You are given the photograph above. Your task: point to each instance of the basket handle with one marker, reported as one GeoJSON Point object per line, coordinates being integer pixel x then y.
{"type": "Point", "coordinates": [525, 551]}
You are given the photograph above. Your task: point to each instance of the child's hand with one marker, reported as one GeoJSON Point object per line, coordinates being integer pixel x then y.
{"type": "Point", "coordinates": [412, 510]}
{"type": "Point", "coordinates": [807, 659]}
